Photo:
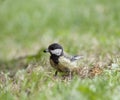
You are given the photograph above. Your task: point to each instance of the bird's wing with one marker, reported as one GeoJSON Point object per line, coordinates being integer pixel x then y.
{"type": "Point", "coordinates": [66, 64]}
{"type": "Point", "coordinates": [74, 58]}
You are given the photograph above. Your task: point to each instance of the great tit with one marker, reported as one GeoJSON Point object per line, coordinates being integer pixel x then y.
{"type": "Point", "coordinates": [60, 61]}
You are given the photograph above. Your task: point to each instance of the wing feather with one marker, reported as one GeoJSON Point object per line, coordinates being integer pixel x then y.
{"type": "Point", "coordinates": [73, 58]}
{"type": "Point", "coordinates": [66, 64]}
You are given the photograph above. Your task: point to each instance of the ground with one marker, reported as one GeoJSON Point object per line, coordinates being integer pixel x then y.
{"type": "Point", "coordinates": [89, 28]}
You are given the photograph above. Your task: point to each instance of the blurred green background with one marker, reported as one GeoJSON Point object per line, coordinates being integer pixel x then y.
{"type": "Point", "coordinates": [26, 26]}
{"type": "Point", "coordinates": [86, 27]}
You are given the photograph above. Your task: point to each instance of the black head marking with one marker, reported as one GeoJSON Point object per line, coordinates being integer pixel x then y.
{"type": "Point", "coordinates": [56, 51]}
{"type": "Point", "coordinates": [55, 46]}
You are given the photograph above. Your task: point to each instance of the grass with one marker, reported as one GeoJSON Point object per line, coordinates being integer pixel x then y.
{"type": "Point", "coordinates": [89, 28]}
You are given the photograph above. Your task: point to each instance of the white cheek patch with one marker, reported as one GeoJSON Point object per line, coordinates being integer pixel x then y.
{"type": "Point", "coordinates": [56, 52]}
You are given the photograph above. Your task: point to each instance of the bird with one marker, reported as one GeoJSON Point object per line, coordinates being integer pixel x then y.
{"type": "Point", "coordinates": [60, 61]}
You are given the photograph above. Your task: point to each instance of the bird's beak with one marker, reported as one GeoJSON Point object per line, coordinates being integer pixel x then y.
{"type": "Point", "coordinates": [46, 50]}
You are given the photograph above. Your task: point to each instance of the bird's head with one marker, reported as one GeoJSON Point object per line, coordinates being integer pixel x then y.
{"type": "Point", "coordinates": [55, 49]}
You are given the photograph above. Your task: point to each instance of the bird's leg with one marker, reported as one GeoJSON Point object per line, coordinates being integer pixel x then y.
{"type": "Point", "coordinates": [56, 73]}
{"type": "Point", "coordinates": [69, 75]}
